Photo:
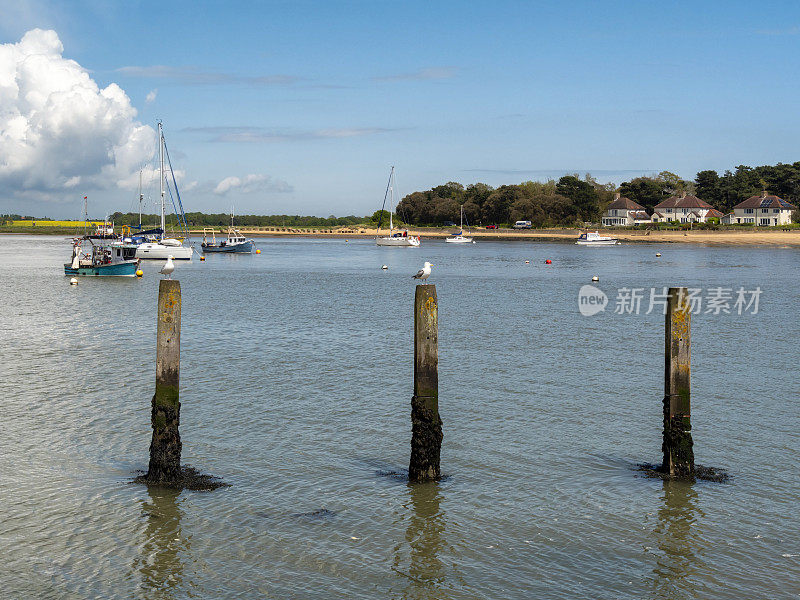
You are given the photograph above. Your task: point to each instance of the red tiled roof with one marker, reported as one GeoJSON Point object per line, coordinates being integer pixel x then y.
{"type": "Point", "coordinates": [625, 203]}
{"type": "Point", "coordinates": [687, 201]}
{"type": "Point", "coordinates": [766, 201]}
{"type": "Point", "coordinates": [714, 213]}
{"type": "Point", "coordinates": [641, 215]}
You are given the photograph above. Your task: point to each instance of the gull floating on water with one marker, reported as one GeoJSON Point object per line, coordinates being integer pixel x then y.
{"type": "Point", "coordinates": [168, 267]}
{"type": "Point", "coordinates": [424, 272]}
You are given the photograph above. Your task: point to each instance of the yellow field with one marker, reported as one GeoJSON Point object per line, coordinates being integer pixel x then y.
{"type": "Point", "coordinates": [54, 223]}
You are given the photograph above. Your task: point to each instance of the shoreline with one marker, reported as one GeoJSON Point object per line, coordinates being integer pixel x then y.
{"type": "Point", "coordinates": [707, 237]}
{"type": "Point", "coordinates": [726, 237]}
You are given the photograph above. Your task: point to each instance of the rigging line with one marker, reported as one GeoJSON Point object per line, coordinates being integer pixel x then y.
{"type": "Point", "coordinates": [396, 206]}
{"type": "Point", "coordinates": [182, 216]}
{"type": "Point", "coordinates": [385, 196]}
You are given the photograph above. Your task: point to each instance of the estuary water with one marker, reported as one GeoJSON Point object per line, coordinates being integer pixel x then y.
{"type": "Point", "coordinates": [296, 380]}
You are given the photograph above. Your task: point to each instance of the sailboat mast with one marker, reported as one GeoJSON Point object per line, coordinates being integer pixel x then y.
{"type": "Point", "coordinates": [141, 197]}
{"type": "Point", "coordinates": [161, 171]}
{"type": "Point", "coordinates": [391, 199]}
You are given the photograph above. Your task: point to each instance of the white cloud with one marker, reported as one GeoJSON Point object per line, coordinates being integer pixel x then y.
{"type": "Point", "coordinates": [250, 184]}
{"type": "Point", "coordinates": [59, 129]}
{"type": "Point", "coordinates": [151, 96]}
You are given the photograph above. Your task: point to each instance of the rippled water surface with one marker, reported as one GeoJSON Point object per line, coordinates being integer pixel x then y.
{"type": "Point", "coordinates": [296, 380]}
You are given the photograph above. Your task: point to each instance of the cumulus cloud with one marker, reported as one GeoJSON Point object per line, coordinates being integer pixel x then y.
{"type": "Point", "coordinates": [151, 96]}
{"type": "Point", "coordinates": [250, 184]}
{"type": "Point", "coordinates": [58, 129]}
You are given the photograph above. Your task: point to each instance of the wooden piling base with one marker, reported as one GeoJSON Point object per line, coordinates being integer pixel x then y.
{"type": "Point", "coordinates": [426, 426]}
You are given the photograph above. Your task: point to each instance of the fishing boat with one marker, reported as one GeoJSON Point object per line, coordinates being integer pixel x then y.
{"type": "Point", "coordinates": [593, 238]}
{"type": "Point", "coordinates": [235, 243]}
{"type": "Point", "coordinates": [162, 247]}
{"type": "Point", "coordinates": [459, 238]}
{"type": "Point", "coordinates": [401, 237]}
{"type": "Point", "coordinates": [102, 258]}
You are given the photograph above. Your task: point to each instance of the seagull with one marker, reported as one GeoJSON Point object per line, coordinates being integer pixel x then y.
{"type": "Point", "coordinates": [169, 267]}
{"type": "Point", "coordinates": [424, 272]}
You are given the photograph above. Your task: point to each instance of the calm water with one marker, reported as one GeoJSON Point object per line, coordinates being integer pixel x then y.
{"type": "Point", "coordinates": [295, 386]}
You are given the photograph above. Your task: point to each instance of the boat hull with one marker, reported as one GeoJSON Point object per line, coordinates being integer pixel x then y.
{"type": "Point", "coordinates": [126, 269]}
{"type": "Point", "coordinates": [459, 240]}
{"type": "Point", "coordinates": [597, 243]}
{"type": "Point", "coordinates": [150, 251]}
{"type": "Point", "coordinates": [244, 248]}
{"type": "Point", "coordinates": [399, 242]}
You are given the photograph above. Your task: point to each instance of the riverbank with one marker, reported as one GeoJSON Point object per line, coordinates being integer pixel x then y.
{"type": "Point", "coordinates": [725, 237]}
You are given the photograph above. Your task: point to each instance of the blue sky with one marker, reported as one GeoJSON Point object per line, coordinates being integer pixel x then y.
{"type": "Point", "coordinates": [313, 101]}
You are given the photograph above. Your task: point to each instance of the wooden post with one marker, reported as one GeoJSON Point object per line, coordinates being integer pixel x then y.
{"type": "Point", "coordinates": [165, 447]}
{"type": "Point", "coordinates": [426, 426]}
{"type": "Point", "coordinates": [677, 445]}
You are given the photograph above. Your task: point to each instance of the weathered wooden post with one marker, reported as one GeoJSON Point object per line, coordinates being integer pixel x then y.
{"type": "Point", "coordinates": [677, 445]}
{"type": "Point", "coordinates": [426, 426]}
{"type": "Point", "coordinates": [165, 447]}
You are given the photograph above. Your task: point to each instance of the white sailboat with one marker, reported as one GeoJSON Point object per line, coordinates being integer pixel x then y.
{"type": "Point", "coordinates": [460, 238]}
{"type": "Point", "coordinates": [164, 247]}
{"type": "Point", "coordinates": [593, 238]}
{"type": "Point", "coordinates": [401, 237]}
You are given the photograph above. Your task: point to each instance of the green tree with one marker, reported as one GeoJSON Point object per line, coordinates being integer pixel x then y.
{"type": "Point", "coordinates": [582, 194]}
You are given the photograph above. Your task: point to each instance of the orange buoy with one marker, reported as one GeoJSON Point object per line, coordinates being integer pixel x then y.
{"type": "Point", "coordinates": [258, 250]}
{"type": "Point", "coordinates": [548, 261]}
{"type": "Point", "coordinates": [202, 258]}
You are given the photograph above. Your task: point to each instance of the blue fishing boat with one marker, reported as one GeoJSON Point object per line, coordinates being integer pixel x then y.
{"type": "Point", "coordinates": [102, 258]}
{"type": "Point", "coordinates": [235, 242]}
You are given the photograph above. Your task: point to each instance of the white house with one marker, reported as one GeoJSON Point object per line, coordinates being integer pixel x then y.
{"type": "Point", "coordinates": [684, 209]}
{"type": "Point", "coordinates": [624, 211]}
{"type": "Point", "coordinates": [763, 211]}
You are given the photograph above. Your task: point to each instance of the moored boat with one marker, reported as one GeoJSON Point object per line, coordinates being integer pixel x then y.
{"type": "Point", "coordinates": [162, 247]}
{"type": "Point", "coordinates": [399, 238]}
{"type": "Point", "coordinates": [460, 238]}
{"type": "Point", "coordinates": [593, 238]}
{"type": "Point", "coordinates": [235, 242]}
{"type": "Point", "coordinates": [102, 259]}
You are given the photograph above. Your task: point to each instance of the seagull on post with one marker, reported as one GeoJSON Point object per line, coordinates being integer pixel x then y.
{"type": "Point", "coordinates": [424, 272]}
{"type": "Point", "coordinates": [168, 267]}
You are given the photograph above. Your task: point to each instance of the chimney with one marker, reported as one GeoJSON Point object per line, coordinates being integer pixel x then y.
{"type": "Point", "coordinates": [764, 193]}
{"type": "Point", "coordinates": [616, 195]}
{"type": "Point", "coordinates": [683, 193]}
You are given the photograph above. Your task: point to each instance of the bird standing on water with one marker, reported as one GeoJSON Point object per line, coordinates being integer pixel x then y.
{"type": "Point", "coordinates": [168, 267]}
{"type": "Point", "coordinates": [424, 272]}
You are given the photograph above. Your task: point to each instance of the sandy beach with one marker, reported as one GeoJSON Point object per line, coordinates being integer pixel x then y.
{"type": "Point", "coordinates": [739, 237]}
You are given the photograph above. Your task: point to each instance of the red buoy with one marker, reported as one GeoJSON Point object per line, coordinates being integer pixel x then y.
{"type": "Point", "coordinates": [548, 261]}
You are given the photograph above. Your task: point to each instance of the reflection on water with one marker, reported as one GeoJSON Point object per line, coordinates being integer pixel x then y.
{"type": "Point", "coordinates": [426, 524]}
{"type": "Point", "coordinates": [679, 542]}
{"type": "Point", "coordinates": [164, 548]}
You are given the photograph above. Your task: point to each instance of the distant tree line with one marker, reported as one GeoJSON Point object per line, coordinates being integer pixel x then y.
{"type": "Point", "coordinates": [198, 219]}
{"type": "Point", "coordinates": [568, 201]}
{"type": "Point", "coordinates": [572, 200]}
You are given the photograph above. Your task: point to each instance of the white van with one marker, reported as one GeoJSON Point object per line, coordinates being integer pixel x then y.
{"type": "Point", "coordinates": [522, 225]}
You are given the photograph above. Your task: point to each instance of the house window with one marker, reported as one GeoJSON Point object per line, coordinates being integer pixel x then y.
{"type": "Point", "coordinates": [776, 210]}
{"type": "Point", "coordinates": [748, 211]}
{"type": "Point", "coordinates": [764, 210]}
{"type": "Point", "coordinates": [764, 222]}
{"type": "Point", "coordinates": [669, 210]}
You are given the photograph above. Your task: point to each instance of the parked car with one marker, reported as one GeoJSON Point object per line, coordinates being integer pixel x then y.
{"type": "Point", "coordinates": [522, 225]}
{"type": "Point", "coordinates": [491, 227]}
{"type": "Point", "coordinates": [448, 224]}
